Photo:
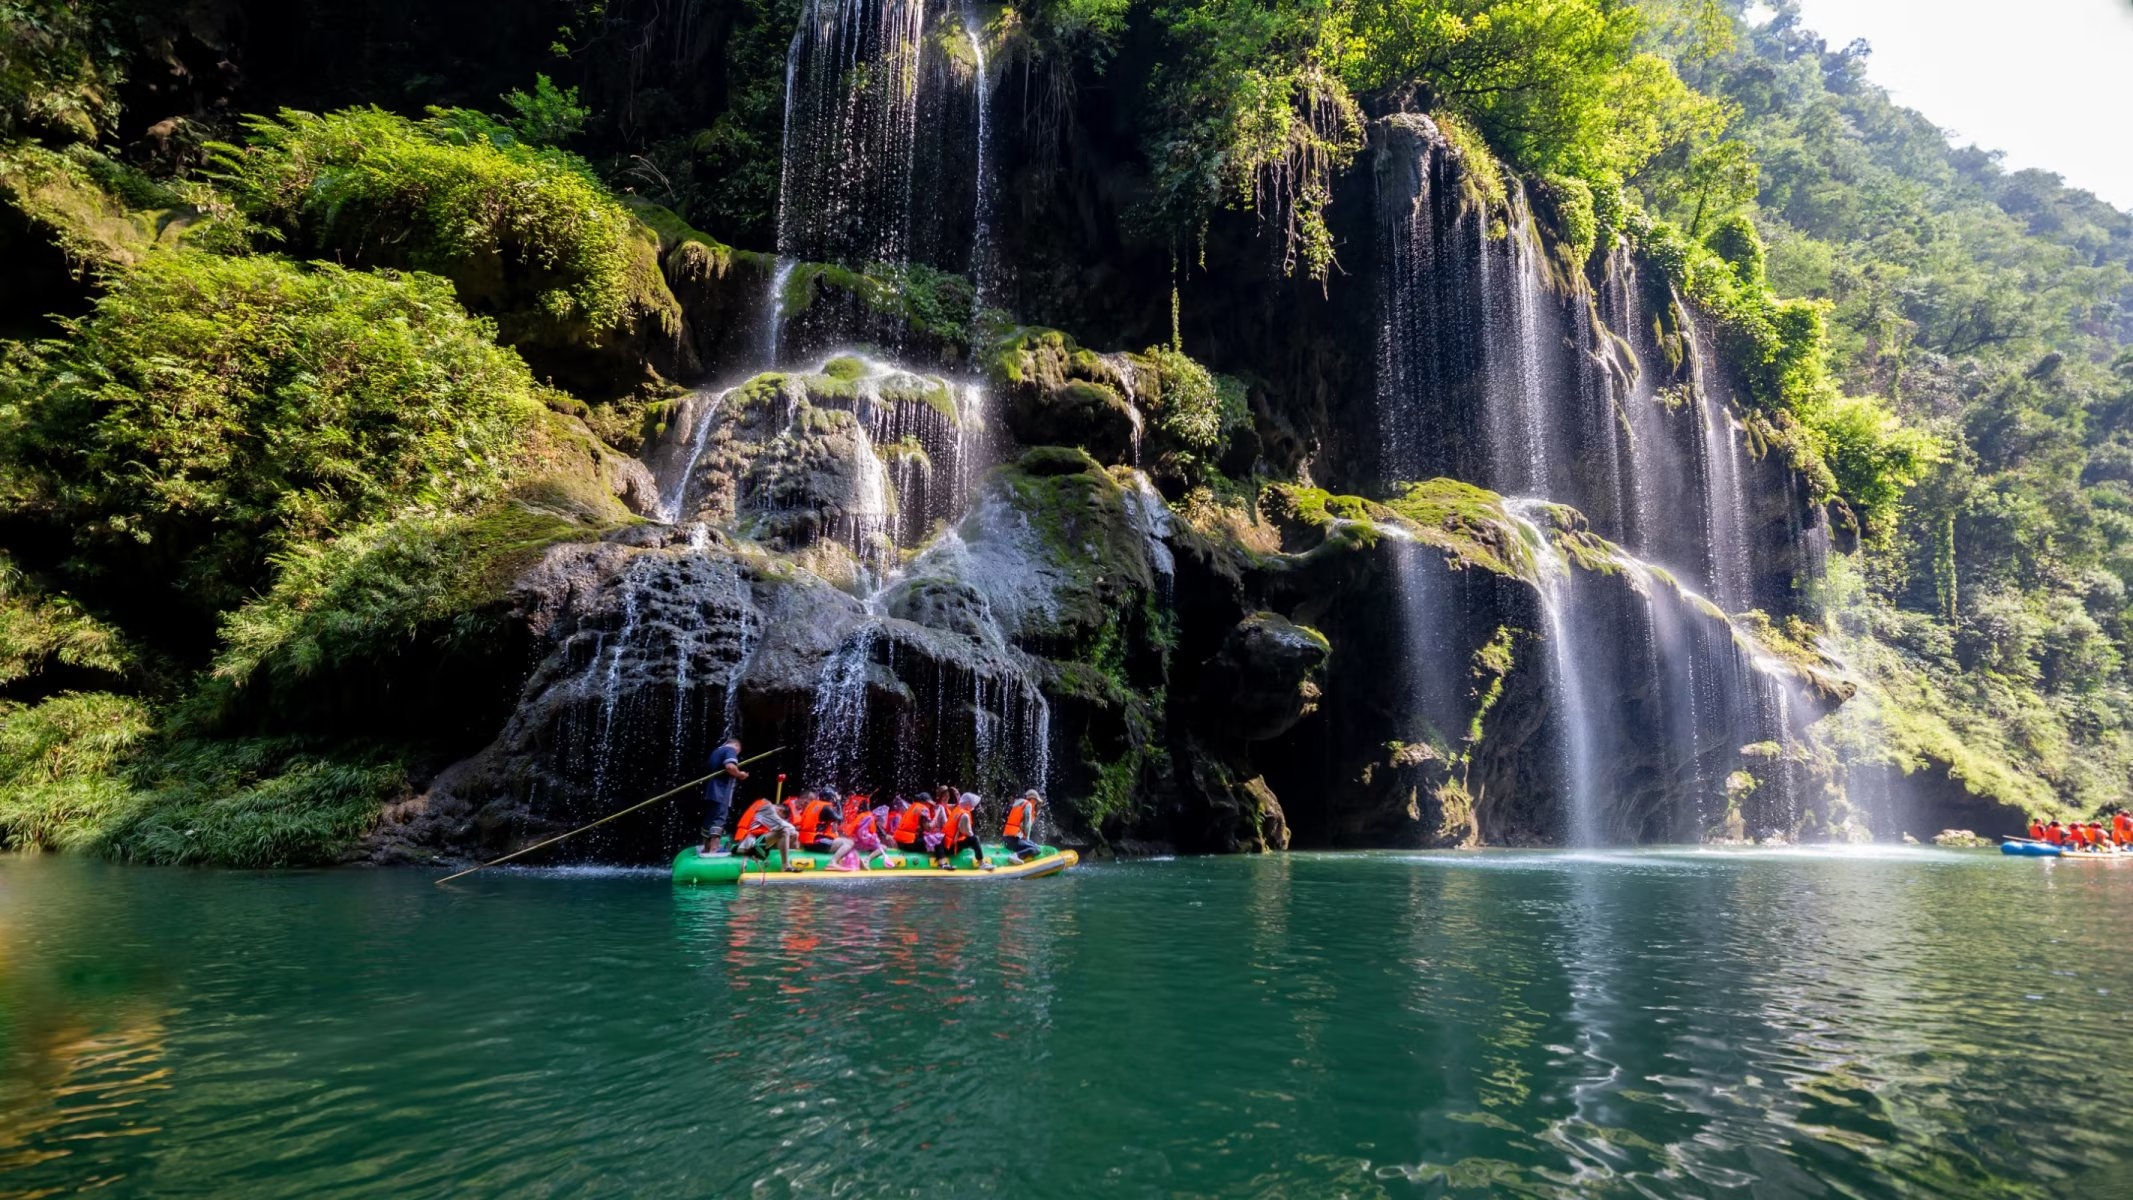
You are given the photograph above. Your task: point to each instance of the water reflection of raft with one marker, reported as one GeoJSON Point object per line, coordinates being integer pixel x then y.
{"type": "Point", "coordinates": [691, 867]}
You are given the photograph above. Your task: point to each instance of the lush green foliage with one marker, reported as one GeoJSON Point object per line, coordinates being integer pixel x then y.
{"type": "Point", "coordinates": [519, 228]}
{"type": "Point", "coordinates": [1558, 86]}
{"type": "Point", "coordinates": [37, 630]}
{"type": "Point", "coordinates": [547, 115]}
{"type": "Point", "coordinates": [59, 72]}
{"type": "Point", "coordinates": [1258, 103]}
{"type": "Point", "coordinates": [1990, 308]}
{"type": "Point", "coordinates": [213, 410]}
{"type": "Point", "coordinates": [1254, 113]}
{"type": "Point", "coordinates": [251, 802]}
{"type": "Point", "coordinates": [60, 767]}
{"type": "Point", "coordinates": [364, 594]}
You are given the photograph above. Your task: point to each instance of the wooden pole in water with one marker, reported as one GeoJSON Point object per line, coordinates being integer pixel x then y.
{"type": "Point", "coordinates": [611, 816]}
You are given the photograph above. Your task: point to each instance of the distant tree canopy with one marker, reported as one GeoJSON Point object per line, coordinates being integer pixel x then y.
{"type": "Point", "coordinates": [1259, 106]}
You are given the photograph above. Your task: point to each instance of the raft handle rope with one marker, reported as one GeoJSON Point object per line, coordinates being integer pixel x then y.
{"type": "Point", "coordinates": [611, 816]}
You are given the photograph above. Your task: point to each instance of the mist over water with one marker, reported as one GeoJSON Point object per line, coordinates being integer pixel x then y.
{"type": "Point", "coordinates": [1675, 1023]}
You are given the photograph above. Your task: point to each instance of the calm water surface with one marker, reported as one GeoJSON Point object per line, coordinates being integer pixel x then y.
{"type": "Point", "coordinates": [1649, 1024]}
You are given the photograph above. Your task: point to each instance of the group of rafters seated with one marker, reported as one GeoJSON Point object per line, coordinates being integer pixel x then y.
{"type": "Point", "coordinates": [2091, 836]}
{"type": "Point", "coordinates": [858, 834]}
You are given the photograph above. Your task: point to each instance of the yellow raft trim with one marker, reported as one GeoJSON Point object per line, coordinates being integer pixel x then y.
{"type": "Point", "coordinates": [1050, 864]}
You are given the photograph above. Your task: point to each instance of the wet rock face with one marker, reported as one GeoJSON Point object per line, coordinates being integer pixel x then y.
{"type": "Point", "coordinates": [1060, 394]}
{"type": "Point", "coordinates": [855, 460]}
{"type": "Point", "coordinates": [1266, 677]}
{"type": "Point", "coordinates": [1077, 412]}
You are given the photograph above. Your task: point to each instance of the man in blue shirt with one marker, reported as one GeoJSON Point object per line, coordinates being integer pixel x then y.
{"type": "Point", "coordinates": [718, 792]}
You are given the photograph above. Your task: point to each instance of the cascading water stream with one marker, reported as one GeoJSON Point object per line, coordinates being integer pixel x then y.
{"type": "Point", "coordinates": [1520, 449]}
{"type": "Point", "coordinates": [981, 240]}
{"type": "Point", "coordinates": [674, 482]}
{"type": "Point", "coordinates": [775, 305]}
{"type": "Point", "coordinates": [1725, 497]}
{"type": "Point", "coordinates": [851, 131]}
{"type": "Point", "coordinates": [1566, 673]}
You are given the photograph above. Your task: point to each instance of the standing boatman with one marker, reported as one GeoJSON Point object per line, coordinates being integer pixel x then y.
{"type": "Point", "coordinates": [718, 793]}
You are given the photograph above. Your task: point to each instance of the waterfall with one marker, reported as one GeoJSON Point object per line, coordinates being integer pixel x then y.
{"type": "Point", "coordinates": [880, 122]}
{"type": "Point", "coordinates": [1435, 663]}
{"type": "Point", "coordinates": [1519, 415]}
{"type": "Point", "coordinates": [673, 471]}
{"type": "Point", "coordinates": [840, 709]}
{"type": "Point", "coordinates": [1724, 495]}
{"type": "Point", "coordinates": [981, 247]}
{"type": "Point", "coordinates": [1486, 372]}
{"type": "Point", "coordinates": [1128, 375]}
{"type": "Point", "coordinates": [1566, 674]}
{"type": "Point", "coordinates": [869, 532]}
{"type": "Point", "coordinates": [778, 279]}
{"type": "Point", "coordinates": [1432, 270]}
{"type": "Point", "coordinates": [851, 130]}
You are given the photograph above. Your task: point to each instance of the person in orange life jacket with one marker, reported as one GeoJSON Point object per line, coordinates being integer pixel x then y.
{"type": "Point", "coordinates": [960, 829]}
{"type": "Point", "coordinates": [718, 791]}
{"type": "Point", "coordinates": [2055, 833]}
{"type": "Point", "coordinates": [2098, 838]}
{"type": "Point", "coordinates": [937, 828]}
{"type": "Point", "coordinates": [2122, 828]}
{"type": "Point", "coordinates": [907, 825]}
{"type": "Point", "coordinates": [840, 846]}
{"type": "Point", "coordinates": [819, 819]}
{"type": "Point", "coordinates": [2036, 830]}
{"type": "Point", "coordinates": [763, 825]}
{"type": "Point", "coordinates": [1020, 833]}
{"type": "Point", "coordinates": [864, 832]}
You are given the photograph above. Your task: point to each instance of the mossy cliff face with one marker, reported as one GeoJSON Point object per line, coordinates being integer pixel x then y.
{"type": "Point", "coordinates": [842, 508]}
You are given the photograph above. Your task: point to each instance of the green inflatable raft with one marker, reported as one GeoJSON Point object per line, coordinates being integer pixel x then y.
{"type": "Point", "coordinates": [693, 868]}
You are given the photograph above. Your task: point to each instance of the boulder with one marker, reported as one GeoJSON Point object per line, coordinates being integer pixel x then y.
{"type": "Point", "coordinates": [1266, 677]}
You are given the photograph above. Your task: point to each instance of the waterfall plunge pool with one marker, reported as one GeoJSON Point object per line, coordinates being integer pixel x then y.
{"type": "Point", "coordinates": [1682, 1022]}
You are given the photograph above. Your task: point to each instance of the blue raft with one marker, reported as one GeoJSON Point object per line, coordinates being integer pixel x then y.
{"type": "Point", "coordinates": [2027, 849]}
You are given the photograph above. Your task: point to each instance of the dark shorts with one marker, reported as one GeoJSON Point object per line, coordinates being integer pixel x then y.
{"type": "Point", "coordinates": [1022, 846]}
{"type": "Point", "coordinates": [914, 846]}
{"type": "Point", "coordinates": [819, 845]}
{"type": "Point", "coordinates": [715, 809]}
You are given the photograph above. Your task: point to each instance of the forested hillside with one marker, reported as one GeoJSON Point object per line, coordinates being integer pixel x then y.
{"type": "Point", "coordinates": [330, 328]}
{"type": "Point", "coordinates": [1993, 309]}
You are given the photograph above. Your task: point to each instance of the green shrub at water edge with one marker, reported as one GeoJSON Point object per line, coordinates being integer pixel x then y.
{"type": "Point", "coordinates": [59, 767]}
{"type": "Point", "coordinates": [252, 802]}
{"type": "Point", "coordinates": [80, 771]}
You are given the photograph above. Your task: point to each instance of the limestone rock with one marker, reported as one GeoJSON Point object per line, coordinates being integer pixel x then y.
{"type": "Point", "coordinates": [1266, 677]}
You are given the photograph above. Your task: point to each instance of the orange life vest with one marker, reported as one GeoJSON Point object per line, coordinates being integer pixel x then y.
{"type": "Point", "coordinates": [811, 829]}
{"type": "Point", "coordinates": [2054, 834]}
{"type": "Point", "coordinates": [751, 821]}
{"type": "Point", "coordinates": [2122, 828]}
{"type": "Point", "coordinates": [910, 823]}
{"type": "Point", "coordinates": [2036, 831]}
{"type": "Point", "coordinates": [952, 826]}
{"type": "Point", "coordinates": [1021, 815]}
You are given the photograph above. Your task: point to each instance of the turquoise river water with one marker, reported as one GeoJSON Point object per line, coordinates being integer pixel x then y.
{"type": "Point", "coordinates": [1657, 1023]}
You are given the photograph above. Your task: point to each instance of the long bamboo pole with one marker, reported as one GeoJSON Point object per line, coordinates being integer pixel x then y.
{"type": "Point", "coordinates": [609, 817]}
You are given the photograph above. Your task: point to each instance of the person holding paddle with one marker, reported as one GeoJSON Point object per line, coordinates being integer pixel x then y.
{"type": "Point", "coordinates": [718, 792]}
